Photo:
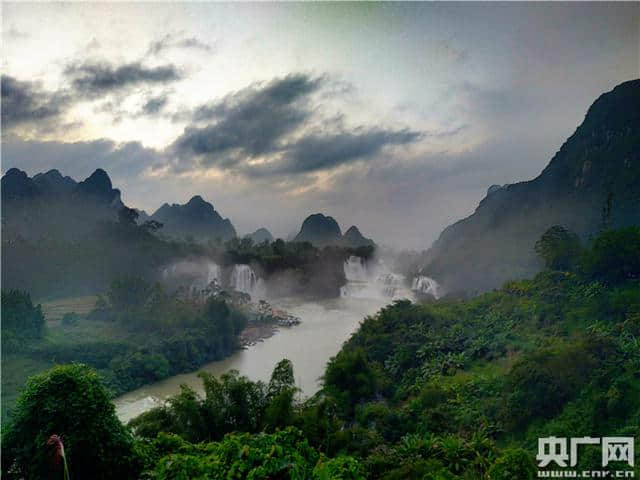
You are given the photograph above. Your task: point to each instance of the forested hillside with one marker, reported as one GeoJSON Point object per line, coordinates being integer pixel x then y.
{"type": "Point", "coordinates": [591, 184]}
{"type": "Point", "coordinates": [449, 389]}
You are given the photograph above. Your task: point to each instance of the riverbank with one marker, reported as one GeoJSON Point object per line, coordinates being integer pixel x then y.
{"type": "Point", "coordinates": [126, 358]}
{"type": "Point", "coordinates": [324, 326]}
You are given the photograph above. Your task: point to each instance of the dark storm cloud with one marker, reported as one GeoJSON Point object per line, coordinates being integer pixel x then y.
{"type": "Point", "coordinates": [94, 78]}
{"type": "Point", "coordinates": [171, 40]}
{"type": "Point", "coordinates": [250, 122]}
{"type": "Point", "coordinates": [326, 151]}
{"type": "Point", "coordinates": [26, 102]}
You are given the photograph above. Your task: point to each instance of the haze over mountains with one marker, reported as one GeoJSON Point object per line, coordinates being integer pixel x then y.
{"type": "Point", "coordinates": [31, 204]}
{"type": "Point", "coordinates": [66, 237]}
{"type": "Point", "coordinates": [591, 184]}
{"type": "Point", "coordinates": [261, 235]}
{"type": "Point", "coordinates": [50, 205]}
{"type": "Point", "coordinates": [322, 231]}
{"type": "Point", "coordinates": [196, 218]}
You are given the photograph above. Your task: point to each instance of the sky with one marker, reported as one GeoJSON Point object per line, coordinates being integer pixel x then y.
{"type": "Point", "coordinates": [395, 117]}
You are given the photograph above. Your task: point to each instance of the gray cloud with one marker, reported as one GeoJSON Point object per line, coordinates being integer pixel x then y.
{"type": "Point", "coordinates": [172, 40]}
{"type": "Point", "coordinates": [261, 119]}
{"type": "Point", "coordinates": [93, 78]}
{"type": "Point", "coordinates": [320, 151]}
{"type": "Point", "coordinates": [123, 161]}
{"type": "Point", "coordinates": [248, 123]}
{"type": "Point", "coordinates": [26, 102]}
{"type": "Point", "coordinates": [155, 105]}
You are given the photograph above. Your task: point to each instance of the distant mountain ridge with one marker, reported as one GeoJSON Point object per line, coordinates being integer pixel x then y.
{"type": "Point", "coordinates": [322, 231]}
{"type": "Point", "coordinates": [50, 205]}
{"type": "Point", "coordinates": [18, 186]}
{"type": "Point", "coordinates": [52, 182]}
{"type": "Point", "coordinates": [196, 218]}
{"type": "Point", "coordinates": [353, 238]}
{"type": "Point", "coordinates": [55, 206]}
{"type": "Point", "coordinates": [64, 237]}
{"type": "Point", "coordinates": [591, 184]}
{"type": "Point", "coordinates": [261, 235]}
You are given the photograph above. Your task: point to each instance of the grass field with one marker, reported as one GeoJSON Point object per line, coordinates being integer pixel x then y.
{"type": "Point", "coordinates": [18, 367]}
{"type": "Point", "coordinates": [55, 309]}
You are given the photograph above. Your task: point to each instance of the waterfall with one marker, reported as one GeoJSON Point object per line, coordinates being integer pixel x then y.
{"type": "Point", "coordinates": [213, 273]}
{"type": "Point", "coordinates": [199, 277]}
{"type": "Point", "coordinates": [245, 280]}
{"type": "Point", "coordinates": [426, 286]}
{"type": "Point", "coordinates": [355, 269]}
{"type": "Point", "coordinates": [391, 284]}
{"type": "Point", "coordinates": [375, 282]}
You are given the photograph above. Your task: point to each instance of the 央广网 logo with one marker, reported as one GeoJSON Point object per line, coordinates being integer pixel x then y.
{"type": "Point", "coordinates": [554, 449]}
{"type": "Point", "coordinates": [563, 452]}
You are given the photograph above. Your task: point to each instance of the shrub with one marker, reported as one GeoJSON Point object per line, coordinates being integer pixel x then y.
{"type": "Point", "coordinates": [69, 401]}
{"type": "Point", "coordinates": [512, 464]}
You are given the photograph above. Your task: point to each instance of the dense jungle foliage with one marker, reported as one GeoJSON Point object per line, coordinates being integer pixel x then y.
{"type": "Point", "coordinates": [139, 331]}
{"type": "Point", "coordinates": [449, 389]}
{"type": "Point", "coordinates": [135, 335]}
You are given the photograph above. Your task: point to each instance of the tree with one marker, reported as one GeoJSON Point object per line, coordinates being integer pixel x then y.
{"type": "Point", "coordinates": [282, 378]}
{"type": "Point", "coordinates": [128, 292]}
{"type": "Point", "coordinates": [152, 226]}
{"type": "Point", "coordinates": [280, 393]}
{"type": "Point", "coordinates": [350, 378]}
{"type": "Point", "coordinates": [128, 216]}
{"type": "Point", "coordinates": [559, 248]}
{"type": "Point", "coordinates": [614, 256]}
{"type": "Point", "coordinates": [69, 401]}
{"type": "Point", "coordinates": [513, 463]}
{"type": "Point", "coordinates": [20, 315]}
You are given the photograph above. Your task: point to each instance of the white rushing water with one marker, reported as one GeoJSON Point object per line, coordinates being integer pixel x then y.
{"type": "Point", "coordinates": [355, 269]}
{"type": "Point", "coordinates": [426, 286]}
{"type": "Point", "coordinates": [201, 277]}
{"type": "Point", "coordinates": [245, 280]}
{"type": "Point", "coordinates": [213, 273]}
{"type": "Point", "coordinates": [373, 281]}
{"type": "Point", "coordinates": [325, 326]}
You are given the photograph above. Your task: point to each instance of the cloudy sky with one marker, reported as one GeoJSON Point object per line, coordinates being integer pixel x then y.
{"type": "Point", "coordinates": [394, 117]}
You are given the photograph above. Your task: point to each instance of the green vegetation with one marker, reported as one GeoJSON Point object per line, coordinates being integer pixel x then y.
{"type": "Point", "coordinates": [559, 248]}
{"type": "Point", "coordinates": [52, 266]}
{"type": "Point", "coordinates": [21, 320]}
{"type": "Point", "coordinates": [453, 389]}
{"type": "Point", "coordinates": [137, 335]}
{"type": "Point", "coordinates": [590, 185]}
{"type": "Point", "coordinates": [68, 400]}
{"type": "Point", "coordinates": [295, 268]}
{"type": "Point", "coordinates": [138, 332]}
{"type": "Point", "coordinates": [233, 403]}
{"type": "Point", "coordinates": [463, 389]}
{"type": "Point", "coordinates": [284, 454]}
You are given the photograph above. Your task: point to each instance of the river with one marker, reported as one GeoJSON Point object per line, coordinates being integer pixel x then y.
{"type": "Point", "coordinates": [325, 327]}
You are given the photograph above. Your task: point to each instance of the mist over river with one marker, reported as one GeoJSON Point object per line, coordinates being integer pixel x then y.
{"type": "Point", "coordinates": [325, 326]}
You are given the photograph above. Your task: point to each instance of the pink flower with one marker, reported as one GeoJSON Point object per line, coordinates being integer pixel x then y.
{"type": "Point", "coordinates": [56, 442]}
{"type": "Point", "coordinates": [57, 455]}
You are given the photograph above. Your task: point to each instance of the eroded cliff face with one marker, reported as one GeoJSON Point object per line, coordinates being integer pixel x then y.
{"type": "Point", "coordinates": [591, 184]}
